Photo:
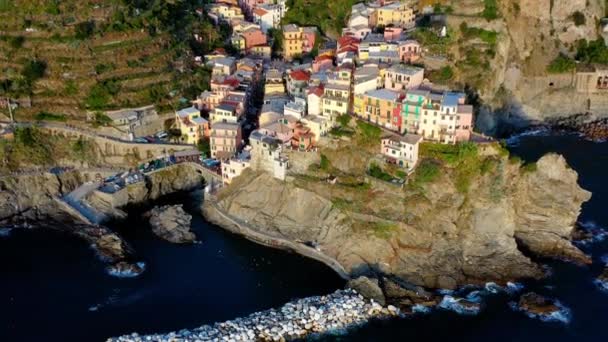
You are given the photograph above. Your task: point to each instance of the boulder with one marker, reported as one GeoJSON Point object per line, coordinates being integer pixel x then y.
{"type": "Point", "coordinates": [171, 223]}
{"type": "Point", "coordinates": [536, 304]}
{"type": "Point", "coordinates": [368, 288]}
{"type": "Point", "coordinates": [110, 246]}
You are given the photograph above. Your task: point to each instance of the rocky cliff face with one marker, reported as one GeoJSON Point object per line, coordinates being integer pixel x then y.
{"type": "Point", "coordinates": [32, 195]}
{"type": "Point", "coordinates": [531, 33]}
{"type": "Point", "coordinates": [438, 237]}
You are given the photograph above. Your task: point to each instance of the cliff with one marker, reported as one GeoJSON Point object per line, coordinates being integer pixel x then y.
{"type": "Point", "coordinates": [432, 234]}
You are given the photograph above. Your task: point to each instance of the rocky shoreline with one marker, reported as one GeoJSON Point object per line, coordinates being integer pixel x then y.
{"type": "Point", "coordinates": [336, 312]}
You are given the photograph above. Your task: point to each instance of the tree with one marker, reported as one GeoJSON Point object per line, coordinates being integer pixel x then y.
{"type": "Point", "coordinates": [204, 146]}
{"type": "Point", "coordinates": [85, 29]}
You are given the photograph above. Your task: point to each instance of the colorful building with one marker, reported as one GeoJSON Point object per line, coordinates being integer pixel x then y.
{"type": "Point", "coordinates": [403, 77]}
{"type": "Point", "coordinates": [381, 107]}
{"type": "Point", "coordinates": [225, 140]}
{"type": "Point", "coordinates": [191, 125]}
{"type": "Point", "coordinates": [298, 40]}
{"type": "Point", "coordinates": [401, 150]}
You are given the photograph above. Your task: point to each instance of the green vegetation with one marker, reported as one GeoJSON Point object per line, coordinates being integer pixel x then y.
{"type": "Point", "coordinates": [529, 167]}
{"type": "Point", "coordinates": [16, 42]}
{"type": "Point", "coordinates": [490, 11]}
{"type": "Point", "coordinates": [204, 145]}
{"type": "Point", "coordinates": [46, 116]}
{"type": "Point", "coordinates": [33, 70]}
{"type": "Point", "coordinates": [85, 29]}
{"type": "Point", "coordinates": [429, 39]}
{"type": "Point", "coordinates": [579, 18]}
{"type": "Point", "coordinates": [100, 94]}
{"type": "Point", "coordinates": [71, 88]}
{"type": "Point", "coordinates": [561, 64]}
{"type": "Point", "coordinates": [488, 37]}
{"type": "Point", "coordinates": [329, 16]}
{"type": "Point", "coordinates": [592, 52]}
{"type": "Point", "coordinates": [384, 230]}
{"type": "Point", "coordinates": [368, 132]}
{"type": "Point", "coordinates": [377, 172]}
{"type": "Point", "coordinates": [102, 67]}
{"type": "Point", "coordinates": [463, 158]}
{"type": "Point", "coordinates": [100, 119]}
{"type": "Point", "coordinates": [83, 150]}
{"type": "Point", "coordinates": [442, 75]}
{"type": "Point", "coordinates": [325, 164]}
{"type": "Point", "coordinates": [426, 172]}
{"type": "Point", "coordinates": [344, 120]}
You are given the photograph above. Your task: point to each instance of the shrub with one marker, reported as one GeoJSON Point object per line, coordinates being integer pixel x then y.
{"type": "Point", "coordinates": [561, 64]}
{"type": "Point", "coordinates": [46, 116]}
{"type": "Point", "coordinates": [490, 11]}
{"type": "Point", "coordinates": [16, 42]}
{"type": "Point", "coordinates": [204, 146]}
{"type": "Point", "coordinates": [529, 167]}
{"type": "Point", "coordinates": [100, 119]}
{"type": "Point", "coordinates": [344, 120]}
{"type": "Point", "coordinates": [85, 29]}
{"type": "Point", "coordinates": [592, 52]}
{"type": "Point", "coordinates": [325, 164]}
{"type": "Point", "coordinates": [377, 172]}
{"type": "Point", "coordinates": [33, 70]}
{"type": "Point", "coordinates": [83, 150]}
{"type": "Point", "coordinates": [579, 18]}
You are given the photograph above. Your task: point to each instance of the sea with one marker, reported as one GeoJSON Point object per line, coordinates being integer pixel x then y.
{"type": "Point", "coordinates": [53, 287]}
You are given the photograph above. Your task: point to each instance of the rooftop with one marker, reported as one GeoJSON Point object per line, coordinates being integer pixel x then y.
{"type": "Point", "coordinates": [186, 112]}
{"type": "Point", "coordinates": [384, 94]}
{"type": "Point", "coordinates": [411, 139]}
{"type": "Point", "coordinates": [405, 69]}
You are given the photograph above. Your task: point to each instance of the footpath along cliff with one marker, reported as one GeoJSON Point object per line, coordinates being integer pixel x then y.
{"type": "Point", "coordinates": [459, 220]}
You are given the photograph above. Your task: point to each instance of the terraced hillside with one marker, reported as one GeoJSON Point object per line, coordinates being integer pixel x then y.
{"type": "Point", "coordinates": [72, 56]}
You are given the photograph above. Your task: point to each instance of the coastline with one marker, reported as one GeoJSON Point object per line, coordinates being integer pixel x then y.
{"type": "Point", "coordinates": [214, 214]}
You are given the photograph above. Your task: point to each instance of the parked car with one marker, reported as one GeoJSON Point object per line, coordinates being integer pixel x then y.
{"type": "Point", "coordinates": [140, 140]}
{"type": "Point", "coordinates": [162, 135]}
{"type": "Point", "coordinates": [150, 139]}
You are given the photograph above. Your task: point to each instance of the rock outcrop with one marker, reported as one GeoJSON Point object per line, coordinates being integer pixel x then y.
{"type": "Point", "coordinates": [440, 238]}
{"type": "Point", "coordinates": [171, 223]}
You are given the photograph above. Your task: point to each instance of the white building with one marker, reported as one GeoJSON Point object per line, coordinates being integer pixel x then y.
{"type": "Point", "coordinates": [402, 150]}
{"type": "Point", "coordinates": [233, 167]}
{"type": "Point", "coordinates": [266, 155]}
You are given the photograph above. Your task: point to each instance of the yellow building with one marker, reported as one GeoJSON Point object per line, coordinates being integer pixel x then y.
{"type": "Point", "coordinates": [238, 42]}
{"type": "Point", "coordinates": [395, 14]}
{"type": "Point", "coordinates": [191, 125]}
{"type": "Point", "coordinates": [336, 100]}
{"type": "Point", "coordinates": [292, 41]}
{"type": "Point", "coordinates": [274, 82]}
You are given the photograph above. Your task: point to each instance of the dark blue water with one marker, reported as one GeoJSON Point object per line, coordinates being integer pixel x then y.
{"type": "Point", "coordinates": [50, 283]}
{"type": "Point", "coordinates": [571, 285]}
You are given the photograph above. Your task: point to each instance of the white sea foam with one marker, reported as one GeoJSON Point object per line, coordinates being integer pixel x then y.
{"type": "Point", "coordinates": [598, 233]}
{"type": "Point", "coordinates": [602, 285]}
{"type": "Point", "coordinates": [421, 309]}
{"type": "Point", "coordinates": [516, 139]}
{"type": "Point", "coordinates": [456, 304]}
{"type": "Point", "coordinates": [128, 273]}
{"type": "Point", "coordinates": [514, 287]}
{"type": "Point", "coordinates": [5, 232]}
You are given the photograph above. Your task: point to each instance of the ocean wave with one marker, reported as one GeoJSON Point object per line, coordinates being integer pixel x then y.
{"type": "Point", "coordinates": [602, 285]}
{"type": "Point", "coordinates": [421, 309]}
{"type": "Point", "coordinates": [598, 233]}
{"type": "Point", "coordinates": [459, 305]}
{"type": "Point", "coordinates": [515, 140]}
{"type": "Point", "coordinates": [5, 232]}
{"type": "Point", "coordinates": [562, 315]}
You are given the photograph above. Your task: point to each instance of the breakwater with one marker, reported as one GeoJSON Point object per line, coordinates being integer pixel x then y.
{"type": "Point", "coordinates": [314, 315]}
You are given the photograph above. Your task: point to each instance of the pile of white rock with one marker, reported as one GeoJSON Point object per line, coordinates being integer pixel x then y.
{"type": "Point", "coordinates": [315, 315]}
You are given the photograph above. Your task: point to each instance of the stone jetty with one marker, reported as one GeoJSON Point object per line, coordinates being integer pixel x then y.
{"type": "Point", "coordinates": [314, 315]}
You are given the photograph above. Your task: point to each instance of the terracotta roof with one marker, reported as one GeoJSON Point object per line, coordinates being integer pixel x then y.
{"type": "Point", "coordinates": [260, 11]}
{"type": "Point", "coordinates": [300, 75]}
{"type": "Point", "coordinates": [345, 40]}
{"type": "Point", "coordinates": [317, 90]}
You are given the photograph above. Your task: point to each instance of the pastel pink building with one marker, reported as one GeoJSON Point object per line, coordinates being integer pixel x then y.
{"type": "Point", "coordinates": [309, 35]}
{"type": "Point", "coordinates": [409, 51]}
{"type": "Point", "coordinates": [392, 34]}
{"type": "Point", "coordinates": [254, 37]}
{"type": "Point", "coordinates": [464, 122]}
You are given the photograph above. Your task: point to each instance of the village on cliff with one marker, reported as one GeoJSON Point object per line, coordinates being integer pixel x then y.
{"type": "Point", "coordinates": [308, 84]}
